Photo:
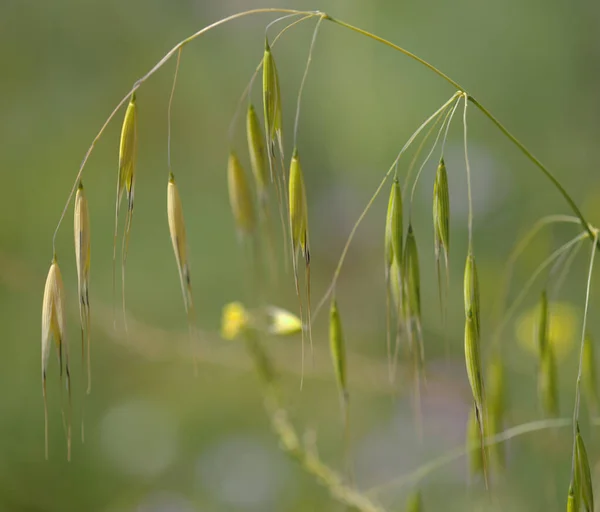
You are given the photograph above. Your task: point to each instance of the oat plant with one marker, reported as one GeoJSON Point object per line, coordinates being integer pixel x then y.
{"type": "Point", "coordinates": [273, 180]}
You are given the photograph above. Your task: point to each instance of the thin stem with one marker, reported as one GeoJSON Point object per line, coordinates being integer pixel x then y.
{"type": "Point", "coordinates": [397, 48]}
{"type": "Point", "coordinates": [169, 110]}
{"type": "Point", "coordinates": [581, 350]}
{"type": "Point", "coordinates": [424, 163]}
{"type": "Point", "coordinates": [310, 52]}
{"type": "Point", "coordinates": [539, 164]}
{"type": "Point", "coordinates": [425, 470]}
{"type": "Point", "coordinates": [470, 221]}
{"type": "Point", "coordinates": [338, 269]}
{"type": "Point", "coordinates": [145, 77]}
{"type": "Point", "coordinates": [448, 127]}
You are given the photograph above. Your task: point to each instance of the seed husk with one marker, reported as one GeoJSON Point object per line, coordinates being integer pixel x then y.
{"type": "Point", "coordinates": [548, 383]}
{"type": "Point", "coordinates": [179, 241]}
{"type": "Point", "coordinates": [258, 157]}
{"type": "Point", "coordinates": [441, 230]}
{"type": "Point", "coordinates": [496, 405]}
{"type": "Point", "coordinates": [337, 348]}
{"type": "Point", "coordinates": [126, 184]}
{"type": "Point", "coordinates": [542, 325]}
{"type": "Point", "coordinates": [54, 327]}
{"type": "Point", "coordinates": [414, 503]}
{"type": "Point", "coordinates": [471, 291]}
{"type": "Point", "coordinates": [240, 196]}
{"type": "Point", "coordinates": [474, 444]}
{"type": "Point", "coordinates": [271, 97]}
{"type": "Point", "coordinates": [588, 373]}
{"type": "Point", "coordinates": [82, 259]}
{"type": "Point", "coordinates": [585, 480]}
{"type": "Point", "coordinates": [298, 211]}
{"type": "Point", "coordinates": [573, 497]}
{"type": "Point", "coordinates": [412, 292]}
{"type": "Point", "coordinates": [473, 363]}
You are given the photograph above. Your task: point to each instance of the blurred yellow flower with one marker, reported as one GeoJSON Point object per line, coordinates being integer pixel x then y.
{"type": "Point", "coordinates": [282, 323]}
{"type": "Point", "coordinates": [234, 320]}
{"type": "Point", "coordinates": [562, 328]}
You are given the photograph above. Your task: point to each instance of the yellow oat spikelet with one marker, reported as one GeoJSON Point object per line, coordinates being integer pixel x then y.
{"type": "Point", "coordinates": [54, 327]}
{"type": "Point", "coordinates": [126, 185]}
{"type": "Point", "coordinates": [240, 196]}
{"type": "Point", "coordinates": [271, 98]}
{"type": "Point", "coordinates": [298, 212]}
{"type": "Point", "coordinates": [83, 252]}
{"type": "Point", "coordinates": [179, 241]}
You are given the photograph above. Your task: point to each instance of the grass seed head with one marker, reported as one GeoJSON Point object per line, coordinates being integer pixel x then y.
{"type": "Point", "coordinates": [583, 465]}
{"type": "Point", "coordinates": [573, 504]}
{"type": "Point", "coordinates": [298, 206]}
{"type": "Point", "coordinates": [414, 503]}
{"type": "Point", "coordinates": [496, 394]}
{"type": "Point", "coordinates": [258, 157]}
{"type": "Point", "coordinates": [128, 148]}
{"type": "Point", "coordinates": [240, 196]}
{"type": "Point", "coordinates": [474, 444]}
{"type": "Point", "coordinates": [441, 209]}
{"type": "Point", "coordinates": [548, 383]}
{"type": "Point", "coordinates": [83, 253]}
{"type": "Point", "coordinates": [588, 373]}
{"type": "Point", "coordinates": [412, 276]}
{"type": "Point", "coordinates": [337, 347]}
{"type": "Point", "coordinates": [271, 94]}
{"type": "Point", "coordinates": [394, 226]}
{"type": "Point", "coordinates": [471, 291]}
{"type": "Point", "coordinates": [473, 361]}
{"type": "Point", "coordinates": [542, 324]}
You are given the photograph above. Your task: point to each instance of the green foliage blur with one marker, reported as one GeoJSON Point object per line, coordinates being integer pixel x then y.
{"type": "Point", "coordinates": [156, 437]}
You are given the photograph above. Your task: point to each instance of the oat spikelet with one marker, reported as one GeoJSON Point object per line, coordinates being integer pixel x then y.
{"type": "Point", "coordinates": [240, 196]}
{"type": "Point", "coordinates": [126, 184]}
{"type": "Point", "coordinates": [54, 326]}
{"type": "Point", "coordinates": [298, 211]}
{"type": "Point", "coordinates": [393, 246]}
{"type": "Point", "coordinates": [412, 291]}
{"type": "Point", "coordinates": [414, 503]}
{"type": "Point", "coordinates": [573, 504]}
{"type": "Point", "coordinates": [441, 228]}
{"type": "Point", "coordinates": [548, 383]}
{"type": "Point", "coordinates": [179, 240]}
{"type": "Point", "coordinates": [271, 99]}
{"type": "Point", "coordinates": [258, 158]}
{"type": "Point", "coordinates": [582, 468]}
{"type": "Point", "coordinates": [589, 379]}
{"type": "Point", "coordinates": [474, 440]}
{"type": "Point", "coordinates": [338, 350]}
{"type": "Point", "coordinates": [471, 291]}
{"type": "Point", "coordinates": [496, 405]}
{"type": "Point", "coordinates": [83, 254]}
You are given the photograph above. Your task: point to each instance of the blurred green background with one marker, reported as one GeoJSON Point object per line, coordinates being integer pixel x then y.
{"type": "Point", "coordinates": [158, 439]}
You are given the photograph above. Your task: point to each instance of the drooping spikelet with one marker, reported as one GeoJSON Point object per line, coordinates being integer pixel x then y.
{"type": "Point", "coordinates": [471, 291]}
{"type": "Point", "coordinates": [82, 259]}
{"type": "Point", "coordinates": [258, 157]}
{"type": "Point", "coordinates": [338, 350]}
{"type": "Point", "coordinates": [573, 498]}
{"type": "Point", "coordinates": [393, 247]}
{"type": "Point", "coordinates": [54, 326]}
{"type": "Point", "coordinates": [414, 503]}
{"type": "Point", "coordinates": [271, 99]}
{"type": "Point", "coordinates": [473, 443]}
{"type": "Point", "coordinates": [548, 383]}
{"type": "Point", "coordinates": [126, 184]}
{"type": "Point", "coordinates": [179, 241]}
{"type": "Point", "coordinates": [441, 226]}
{"type": "Point", "coordinates": [496, 406]}
{"type": "Point", "coordinates": [240, 196]}
{"type": "Point", "coordinates": [583, 472]}
{"type": "Point", "coordinates": [298, 211]}
{"type": "Point", "coordinates": [589, 380]}
{"type": "Point", "coordinates": [412, 292]}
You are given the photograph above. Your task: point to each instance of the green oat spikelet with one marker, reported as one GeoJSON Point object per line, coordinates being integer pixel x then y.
{"type": "Point", "coordinates": [298, 211]}
{"type": "Point", "coordinates": [240, 197]}
{"type": "Point", "coordinates": [414, 503]}
{"type": "Point", "coordinates": [496, 407]}
{"type": "Point", "coordinates": [83, 254]}
{"type": "Point", "coordinates": [338, 351]}
{"type": "Point", "coordinates": [573, 497]}
{"type": "Point", "coordinates": [126, 184]}
{"type": "Point", "coordinates": [543, 324]}
{"type": "Point", "coordinates": [258, 158]}
{"type": "Point", "coordinates": [54, 326]}
{"type": "Point", "coordinates": [179, 241]}
{"type": "Point", "coordinates": [548, 383]}
{"type": "Point", "coordinates": [474, 458]}
{"type": "Point", "coordinates": [393, 258]}
{"type": "Point", "coordinates": [584, 473]}
{"type": "Point", "coordinates": [441, 227]}
{"type": "Point", "coordinates": [589, 379]}
{"type": "Point", "coordinates": [271, 99]}
{"type": "Point", "coordinates": [412, 291]}
{"type": "Point", "coordinates": [471, 291]}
